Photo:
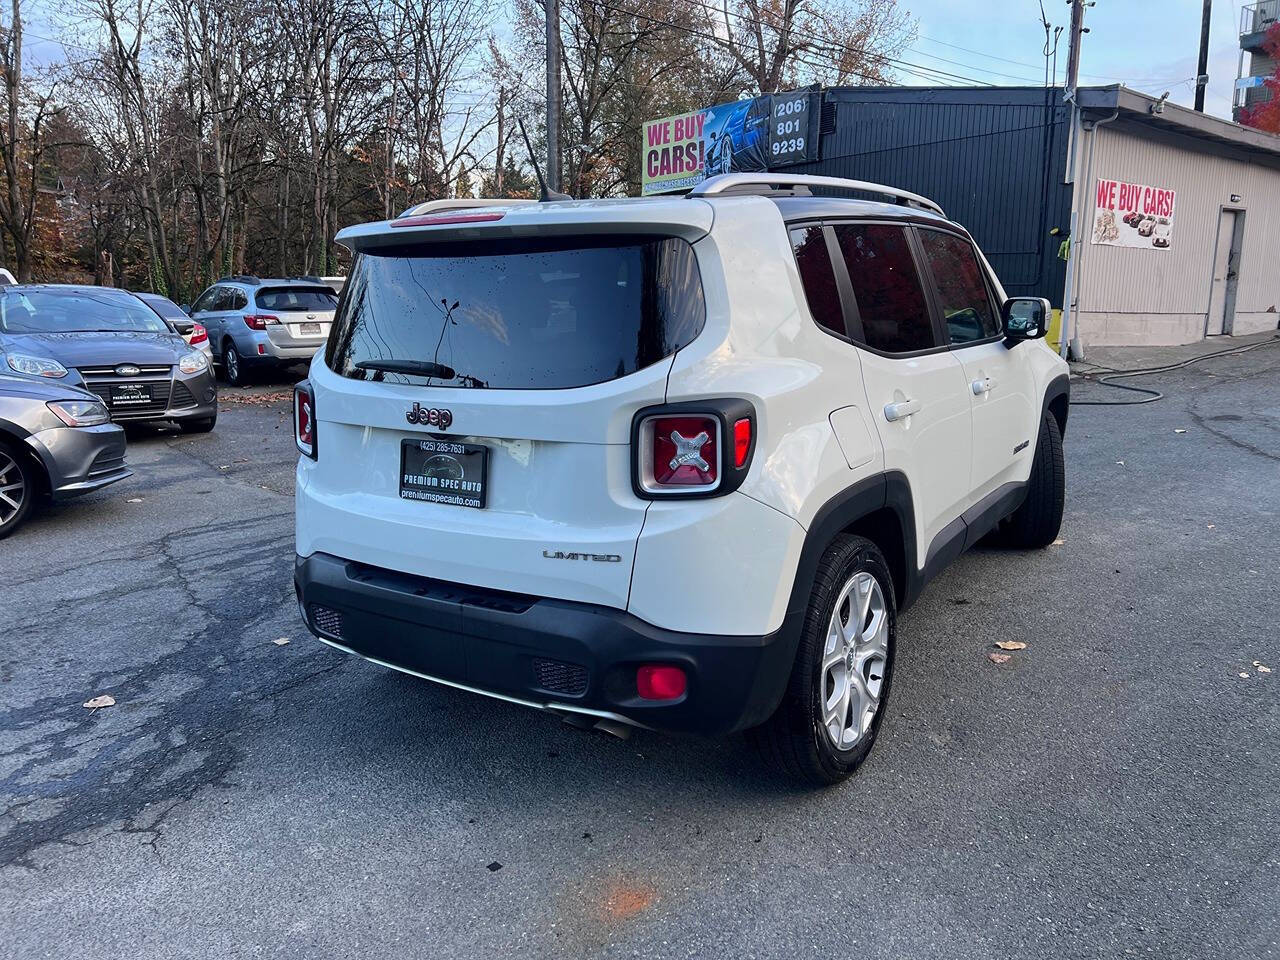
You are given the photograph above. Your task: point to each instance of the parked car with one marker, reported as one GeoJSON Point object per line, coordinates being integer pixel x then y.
{"type": "Point", "coordinates": [109, 342]}
{"type": "Point", "coordinates": [193, 333]}
{"type": "Point", "coordinates": [56, 440]}
{"type": "Point", "coordinates": [678, 463]}
{"type": "Point", "coordinates": [253, 322]}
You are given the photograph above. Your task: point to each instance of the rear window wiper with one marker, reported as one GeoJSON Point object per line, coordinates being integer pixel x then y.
{"type": "Point", "coordinates": [423, 368]}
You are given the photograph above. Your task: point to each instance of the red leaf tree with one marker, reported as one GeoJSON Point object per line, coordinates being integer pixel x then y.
{"type": "Point", "coordinates": [1266, 115]}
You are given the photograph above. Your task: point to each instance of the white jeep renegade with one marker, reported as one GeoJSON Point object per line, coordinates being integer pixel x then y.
{"type": "Point", "coordinates": [676, 463]}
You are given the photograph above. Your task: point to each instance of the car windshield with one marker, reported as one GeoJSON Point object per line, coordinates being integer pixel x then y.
{"type": "Point", "coordinates": [532, 313]}
{"type": "Point", "coordinates": [75, 311]}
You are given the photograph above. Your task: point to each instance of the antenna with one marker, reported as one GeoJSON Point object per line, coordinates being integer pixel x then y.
{"type": "Point", "coordinates": [545, 194]}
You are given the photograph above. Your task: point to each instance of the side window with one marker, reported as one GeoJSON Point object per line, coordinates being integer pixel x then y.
{"type": "Point", "coordinates": [238, 300]}
{"type": "Point", "coordinates": [205, 300]}
{"type": "Point", "coordinates": [818, 277]}
{"type": "Point", "coordinates": [223, 300]}
{"type": "Point", "coordinates": [962, 290]}
{"type": "Point", "coordinates": [895, 316]}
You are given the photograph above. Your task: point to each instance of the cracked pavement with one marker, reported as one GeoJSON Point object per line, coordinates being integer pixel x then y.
{"type": "Point", "coordinates": [1110, 791]}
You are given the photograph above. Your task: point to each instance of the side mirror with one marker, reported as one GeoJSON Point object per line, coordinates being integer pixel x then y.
{"type": "Point", "coordinates": [1025, 318]}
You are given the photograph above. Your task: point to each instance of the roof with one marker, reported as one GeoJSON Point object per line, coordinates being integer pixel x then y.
{"type": "Point", "coordinates": [1141, 108]}
{"type": "Point", "coordinates": [804, 208]}
{"type": "Point", "coordinates": [1096, 102]}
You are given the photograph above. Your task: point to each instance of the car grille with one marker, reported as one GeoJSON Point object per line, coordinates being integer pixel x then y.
{"type": "Point", "coordinates": [182, 397]}
{"type": "Point", "coordinates": [557, 676]}
{"type": "Point", "coordinates": [158, 379]}
{"type": "Point", "coordinates": [106, 463]}
{"type": "Point", "coordinates": [326, 620]}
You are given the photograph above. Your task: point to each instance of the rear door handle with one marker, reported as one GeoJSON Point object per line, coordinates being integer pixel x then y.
{"type": "Point", "coordinates": [901, 410]}
{"type": "Point", "coordinates": [984, 385]}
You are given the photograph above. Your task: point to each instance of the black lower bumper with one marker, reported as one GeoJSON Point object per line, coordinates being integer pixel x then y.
{"type": "Point", "coordinates": [549, 653]}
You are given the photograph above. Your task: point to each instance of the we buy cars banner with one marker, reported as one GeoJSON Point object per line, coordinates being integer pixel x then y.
{"type": "Point", "coordinates": [1133, 215]}
{"type": "Point", "coordinates": [679, 152]}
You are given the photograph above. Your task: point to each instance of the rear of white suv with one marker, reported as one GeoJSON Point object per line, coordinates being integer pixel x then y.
{"type": "Point", "coordinates": [623, 459]}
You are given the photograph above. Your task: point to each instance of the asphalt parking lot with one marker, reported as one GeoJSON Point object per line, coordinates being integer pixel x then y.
{"type": "Point", "coordinates": [1111, 790]}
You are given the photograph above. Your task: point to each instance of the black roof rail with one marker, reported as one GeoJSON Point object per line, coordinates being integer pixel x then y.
{"type": "Point", "coordinates": [240, 278]}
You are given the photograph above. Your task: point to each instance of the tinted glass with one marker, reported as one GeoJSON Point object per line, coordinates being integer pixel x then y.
{"type": "Point", "coordinates": [962, 291]}
{"type": "Point", "coordinates": [546, 313]}
{"type": "Point", "coordinates": [895, 317]}
{"type": "Point", "coordinates": [818, 278]}
{"type": "Point", "coordinates": [49, 310]}
{"type": "Point", "coordinates": [296, 298]}
{"type": "Point", "coordinates": [238, 300]}
{"type": "Point", "coordinates": [222, 299]}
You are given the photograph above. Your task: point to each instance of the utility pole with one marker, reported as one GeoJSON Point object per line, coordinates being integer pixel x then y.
{"type": "Point", "coordinates": [1202, 72]}
{"type": "Point", "coordinates": [1073, 50]}
{"type": "Point", "coordinates": [553, 93]}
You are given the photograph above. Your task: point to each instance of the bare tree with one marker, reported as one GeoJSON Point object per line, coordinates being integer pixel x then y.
{"type": "Point", "coordinates": [23, 144]}
{"type": "Point", "coordinates": [778, 42]}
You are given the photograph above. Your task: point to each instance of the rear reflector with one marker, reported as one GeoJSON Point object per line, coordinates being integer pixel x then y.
{"type": "Point", "coordinates": [660, 682]}
{"type": "Point", "coordinates": [741, 442]}
{"type": "Point", "coordinates": [433, 219]}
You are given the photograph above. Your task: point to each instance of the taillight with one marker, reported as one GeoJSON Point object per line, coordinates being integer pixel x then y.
{"type": "Point", "coordinates": [198, 334]}
{"type": "Point", "coordinates": [692, 449]}
{"type": "Point", "coordinates": [682, 453]}
{"type": "Point", "coordinates": [304, 419]}
{"type": "Point", "coordinates": [259, 321]}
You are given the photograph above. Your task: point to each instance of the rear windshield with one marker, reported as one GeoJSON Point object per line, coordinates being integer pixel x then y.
{"type": "Point", "coordinates": [517, 314]}
{"type": "Point", "coordinates": [166, 308]}
{"type": "Point", "coordinates": [296, 298]}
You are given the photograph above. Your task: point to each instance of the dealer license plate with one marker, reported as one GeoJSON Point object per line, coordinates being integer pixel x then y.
{"type": "Point", "coordinates": [130, 394]}
{"type": "Point", "coordinates": [310, 328]}
{"type": "Point", "coordinates": [442, 471]}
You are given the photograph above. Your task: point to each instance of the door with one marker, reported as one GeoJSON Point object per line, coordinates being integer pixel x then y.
{"type": "Point", "coordinates": [1000, 384]}
{"type": "Point", "coordinates": [916, 391]}
{"type": "Point", "coordinates": [1226, 274]}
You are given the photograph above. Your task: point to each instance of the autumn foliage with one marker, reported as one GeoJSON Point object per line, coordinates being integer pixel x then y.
{"type": "Point", "coordinates": [1266, 115]}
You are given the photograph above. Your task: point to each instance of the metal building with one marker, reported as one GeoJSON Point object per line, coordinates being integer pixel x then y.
{"type": "Point", "coordinates": [1176, 214]}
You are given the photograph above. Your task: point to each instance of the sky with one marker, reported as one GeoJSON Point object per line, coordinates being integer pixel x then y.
{"type": "Point", "coordinates": [1149, 45]}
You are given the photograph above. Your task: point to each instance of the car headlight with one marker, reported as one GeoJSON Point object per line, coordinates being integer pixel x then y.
{"type": "Point", "coordinates": [80, 413]}
{"type": "Point", "coordinates": [36, 366]}
{"type": "Point", "coordinates": [193, 362]}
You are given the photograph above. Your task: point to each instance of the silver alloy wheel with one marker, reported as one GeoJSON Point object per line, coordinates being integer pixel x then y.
{"type": "Point", "coordinates": [13, 489]}
{"type": "Point", "coordinates": [854, 660]}
{"type": "Point", "coordinates": [231, 361]}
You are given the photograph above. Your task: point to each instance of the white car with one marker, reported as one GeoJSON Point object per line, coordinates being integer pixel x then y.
{"type": "Point", "coordinates": [672, 462]}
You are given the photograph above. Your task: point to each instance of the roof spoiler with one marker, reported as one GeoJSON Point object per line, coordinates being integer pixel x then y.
{"type": "Point", "coordinates": [459, 203]}
{"type": "Point", "coordinates": [730, 184]}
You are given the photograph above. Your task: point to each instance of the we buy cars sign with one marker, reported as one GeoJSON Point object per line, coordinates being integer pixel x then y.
{"type": "Point", "coordinates": [673, 153]}
{"type": "Point", "coordinates": [1133, 215]}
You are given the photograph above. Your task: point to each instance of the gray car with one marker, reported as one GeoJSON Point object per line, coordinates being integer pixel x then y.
{"type": "Point", "coordinates": [265, 323]}
{"type": "Point", "coordinates": [109, 342]}
{"type": "Point", "coordinates": [56, 440]}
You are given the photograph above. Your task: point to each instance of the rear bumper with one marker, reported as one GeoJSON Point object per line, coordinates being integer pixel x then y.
{"type": "Point", "coordinates": [557, 655]}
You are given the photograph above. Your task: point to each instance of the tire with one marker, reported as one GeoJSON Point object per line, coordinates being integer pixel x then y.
{"type": "Point", "coordinates": [797, 739]}
{"type": "Point", "coordinates": [232, 364]}
{"type": "Point", "coordinates": [17, 489]}
{"type": "Point", "coordinates": [1036, 523]}
{"type": "Point", "coordinates": [198, 424]}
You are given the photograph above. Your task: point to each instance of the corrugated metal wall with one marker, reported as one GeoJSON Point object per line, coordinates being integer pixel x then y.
{"type": "Point", "coordinates": [981, 153]}
{"type": "Point", "coordinates": [1162, 296]}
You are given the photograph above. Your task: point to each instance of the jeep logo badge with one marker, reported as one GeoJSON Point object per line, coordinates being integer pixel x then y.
{"type": "Point", "coordinates": [429, 417]}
